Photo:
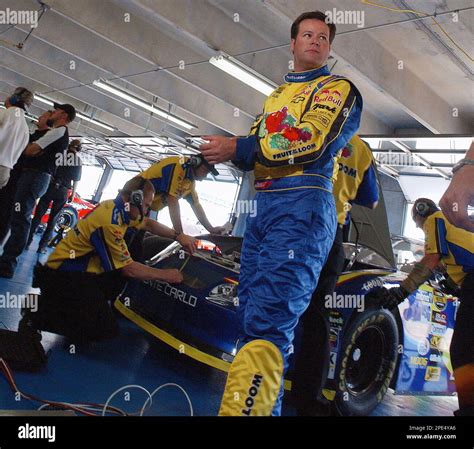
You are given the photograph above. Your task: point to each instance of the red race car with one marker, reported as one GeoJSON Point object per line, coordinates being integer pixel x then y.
{"type": "Point", "coordinates": [71, 213]}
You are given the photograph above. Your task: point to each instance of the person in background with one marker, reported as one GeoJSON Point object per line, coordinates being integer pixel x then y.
{"type": "Point", "coordinates": [7, 194]}
{"type": "Point", "coordinates": [33, 183]}
{"type": "Point", "coordinates": [68, 174]}
{"type": "Point", "coordinates": [356, 183]}
{"type": "Point", "coordinates": [13, 131]}
{"type": "Point", "coordinates": [460, 193]}
{"type": "Point", "coordinates": [452, 247]}
{"type": "Point", "coordinates": [175, 178]}
{"type": "Point", "coordinates": [89, 267]}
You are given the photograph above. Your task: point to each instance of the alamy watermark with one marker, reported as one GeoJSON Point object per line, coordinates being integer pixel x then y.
{"type": "Point", "coordinates": [397, 159]}
{"type": "Point", "coordinates": [346, 17]}
{"type": "Point", "coordinates": [248, 207]}
{"type": "Point", "coordinates": [12, 301]}
{"type": "Point", "coordinates": [338, 301]}
{"type": "Point", "coordinates": [19, 17]}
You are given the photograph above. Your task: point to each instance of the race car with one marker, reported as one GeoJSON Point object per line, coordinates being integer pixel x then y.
{"type": "Point", "coordinates": [371, 349]}
{"type": "Point", "coordinates": [71, 213]}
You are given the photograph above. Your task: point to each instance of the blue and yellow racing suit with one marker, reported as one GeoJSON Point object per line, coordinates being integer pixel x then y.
{"type": "Point", "coordinates": [170, 178]}
{"type": "Point", "coordinates": [456, 248]}
{"type": "Point", "coordinates": [292, 148]}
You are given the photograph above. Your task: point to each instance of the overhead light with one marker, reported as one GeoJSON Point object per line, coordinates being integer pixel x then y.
{"type": "Point", "coordinates": [95, 122]}
{"type": "Point", "coordinates": [44, 100]}
{"type": "Point", "coordinates": [78, 114]}
{"type": "Point", "coordinates": [143, 104]}
{"type": "Point", "coordinates": [243, 73]}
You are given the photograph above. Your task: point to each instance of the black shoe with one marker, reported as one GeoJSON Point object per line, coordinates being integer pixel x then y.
{"type": "Point", "coordinates": [6, 272]}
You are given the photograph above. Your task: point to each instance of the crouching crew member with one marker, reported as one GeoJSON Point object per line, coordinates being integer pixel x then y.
{"type": "Point", "coordinates": [88, 267]}
{"type": "Point", "coordinates": [454, 248]}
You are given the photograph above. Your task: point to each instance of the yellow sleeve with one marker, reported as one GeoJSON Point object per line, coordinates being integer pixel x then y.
{"type": "Point", "coordinates": [435, 235]}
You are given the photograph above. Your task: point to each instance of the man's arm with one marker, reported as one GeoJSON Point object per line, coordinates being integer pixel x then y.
{"type": "Point", "coordinates": [188, 242]}
{"type": "Point", "coordinates": [50, 137]}
{"type": "Point", "coordinates": [32, 149]}
{"type": "Point", "coordinates": [460, 195]}
{"type": "Point", "coordinates": [201, 216]}
{"type": "Point", "coordinates": [143, 272]}
{"type": "Point", "coordinates": [175, 213]}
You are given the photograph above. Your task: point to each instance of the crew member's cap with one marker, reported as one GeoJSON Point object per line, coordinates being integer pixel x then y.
{"type": "Point", "coordinates": [68, 109]}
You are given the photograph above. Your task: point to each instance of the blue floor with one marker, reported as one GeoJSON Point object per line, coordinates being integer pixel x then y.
{"type": "Point", "coordinates": [92, 373]}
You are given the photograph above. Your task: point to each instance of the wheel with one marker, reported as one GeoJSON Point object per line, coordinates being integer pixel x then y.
{"type": "Point", "coordinates": [67, 218]}
{"type": "Point", "coordinates": [369, 359]}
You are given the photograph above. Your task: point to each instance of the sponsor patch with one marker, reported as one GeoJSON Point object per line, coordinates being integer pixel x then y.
{"type": "Point", "coordinates": [438, 329]}
{"type": "Point", "coordinates": [423, 347]}
{"type": "Point", "coordinates": [439, 317]}
{"type": "Point", "coordinates": [440, 302]}
{"type": "Point", "coordinates": [418, 361]}
{"type": "Point", "coordinates": [433, 374]}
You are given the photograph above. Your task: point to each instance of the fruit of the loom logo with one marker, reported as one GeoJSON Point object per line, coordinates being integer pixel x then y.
{"type": "Point", "coordinates": [347, 151]}
{"type": "Point", "coordinates": [281, 125]}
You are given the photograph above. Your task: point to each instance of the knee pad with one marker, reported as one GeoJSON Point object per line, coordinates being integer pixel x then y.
{"type": "Point", "coordinates": [254, 380]}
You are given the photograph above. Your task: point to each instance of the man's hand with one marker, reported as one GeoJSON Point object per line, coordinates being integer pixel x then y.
{"type": "Point", "coordinates": [458, 197]}
{"type": "Point", "coordinates": [219, 230]}
{"type": "Point", "coordinates": [388, 299]}
{"type": "Point", "coordinates": [219, 149]}
{"type": "Point", "coordinates": [187, 242]}
{"type": "Point", "coordinates": [172, 276]}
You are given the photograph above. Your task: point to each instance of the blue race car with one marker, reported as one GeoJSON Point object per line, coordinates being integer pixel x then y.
{"type": "Point", "coordinates": [371, 349]}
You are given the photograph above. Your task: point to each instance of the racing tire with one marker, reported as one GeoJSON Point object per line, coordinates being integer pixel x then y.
{"type": "Point", "coordinates": [67, 218]}
{"type": "Point", "coordinates": [369, 359]}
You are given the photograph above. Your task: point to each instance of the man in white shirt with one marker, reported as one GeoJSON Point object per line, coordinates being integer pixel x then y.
{"type": "Point", "coordinates": [14, 133]}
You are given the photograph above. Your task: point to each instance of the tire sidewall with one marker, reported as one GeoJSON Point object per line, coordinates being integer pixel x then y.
{"type": "Point", "coordinates": [345, 403]}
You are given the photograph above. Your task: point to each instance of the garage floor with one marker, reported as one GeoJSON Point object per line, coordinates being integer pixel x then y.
{"type": "Point", "coordinates": [92, 373]}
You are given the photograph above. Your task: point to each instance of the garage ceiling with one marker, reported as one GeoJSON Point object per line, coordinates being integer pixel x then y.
{"type": "Point", "coordinates": [416, 78]}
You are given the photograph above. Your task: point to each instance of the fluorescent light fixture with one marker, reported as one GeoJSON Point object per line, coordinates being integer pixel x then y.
{"type": "Point", "coordinates": [78, 114]}
{"type": "Point", "coordinates": [95, 122]}
{"type": "Point", "coordinates": [143, 104]}
{"type": "Point", "coordinates": [243, 73]}
{"type": "Point", "coordinates": [44, 100]}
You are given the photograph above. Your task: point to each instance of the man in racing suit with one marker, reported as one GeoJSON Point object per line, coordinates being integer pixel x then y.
{"type": "Point", "coordinates": [454, 248]}
{"type": "Point", "coordinates": [356, 183]}
{"type": "Point", "coordinates": [292, 148]}
{"type": "Point", "coordinates": [175, 178]}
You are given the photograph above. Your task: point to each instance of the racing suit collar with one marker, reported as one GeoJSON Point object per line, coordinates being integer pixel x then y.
{"type": "Point", "coordinates": [307, 75]}
{"type": "Point", "coordinates": [120, 206]}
